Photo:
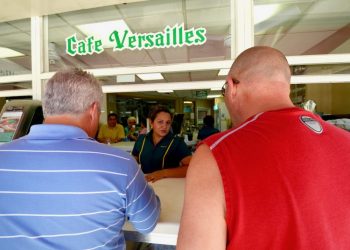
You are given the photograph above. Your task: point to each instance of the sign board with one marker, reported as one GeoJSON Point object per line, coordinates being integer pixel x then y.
{"type": "Point", "coordinates": [176, 36]}
{"type": "Point", "coordinates": [201, 93]}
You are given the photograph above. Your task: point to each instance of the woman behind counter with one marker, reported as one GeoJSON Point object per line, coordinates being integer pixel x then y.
{"type": "Point", "coordinates": [161, 153]}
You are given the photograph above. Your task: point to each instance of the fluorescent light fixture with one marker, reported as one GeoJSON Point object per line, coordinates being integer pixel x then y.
{"type": "Point", "coordinates": [263, 12]}
{"type": "Point", "coordinates": [213, 96]}
{"type": "Point", "coordinates": [165, 91]}
{"type": "Point", "coordinates": [125, 78]}
{"type": "Point", "coordinates": [103, 30]}
{"type": "Point", "coordinates": [188, 102]}
{"type": "Point", "coordinates": [150, 76]}
{"type": "Point", "coordinates": [223, 72]}
{"type": "Point", "coordinates": [216, 88]}
{"type": "Point", "coordinates": [6, 52]}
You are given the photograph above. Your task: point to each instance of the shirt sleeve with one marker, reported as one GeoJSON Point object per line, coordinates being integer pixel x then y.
{"type": "Point", "coordinates": [142, 204]}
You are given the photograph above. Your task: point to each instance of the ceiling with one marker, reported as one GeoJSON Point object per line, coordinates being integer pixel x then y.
{"type": "Point", "coordinates": [299, 27]}
{"type": "Point", "coordinates": [20, 9]}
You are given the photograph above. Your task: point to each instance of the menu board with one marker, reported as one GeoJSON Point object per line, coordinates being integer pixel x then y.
{"type": "Point", "coordinates": [9, 122]}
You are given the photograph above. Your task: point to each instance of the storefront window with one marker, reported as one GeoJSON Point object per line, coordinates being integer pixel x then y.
{"type": "Point", "coordinates": [303, 27]}
{"type": "Point", "coordinates": [322, 69]}
{"type": "Point", "coordinates": [16, 90]}
{"type": "Point", "coordinates": [15, 48]}
{"type": "Point", "coordinates": [141, 34]}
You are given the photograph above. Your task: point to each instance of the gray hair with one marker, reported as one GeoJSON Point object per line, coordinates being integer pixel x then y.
{"type": "Point", "coordinates": [71, 91]}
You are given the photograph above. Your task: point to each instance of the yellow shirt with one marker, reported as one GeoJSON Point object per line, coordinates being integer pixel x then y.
{"type": "Point", "coordinates": [113, 133]}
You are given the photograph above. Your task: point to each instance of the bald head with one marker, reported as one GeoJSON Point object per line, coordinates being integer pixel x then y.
{"type": "Point", "coordinates": [261, 63]}
{"type": "Point", "coordinates": [262, 83]}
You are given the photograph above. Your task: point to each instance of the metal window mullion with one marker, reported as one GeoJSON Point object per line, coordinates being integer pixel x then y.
{"type": "Point", "coordinates": [242, 26]}
{"type": "Point", "coordinates": [37, 55]}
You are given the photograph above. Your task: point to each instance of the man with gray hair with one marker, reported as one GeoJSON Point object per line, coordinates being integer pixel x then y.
{"type": "Point", "coordinates": [59, 188]}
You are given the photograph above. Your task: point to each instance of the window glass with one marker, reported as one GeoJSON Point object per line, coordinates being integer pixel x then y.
{"type": "Point", "coordinates": [15, 48]}
{"type": "Point", "coordinates": [303, 27]}
{"type": "Point", "coordinates": [155, 30]}
{"type": "Point", "coordinates": [322, 69]}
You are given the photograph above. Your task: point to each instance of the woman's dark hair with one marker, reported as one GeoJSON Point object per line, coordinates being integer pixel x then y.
{"type": "Point", "coordinates": [153, 114]}
{"type": "Point", "coordinates": [208, 120]}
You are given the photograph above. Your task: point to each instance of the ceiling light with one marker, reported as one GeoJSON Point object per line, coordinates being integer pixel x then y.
{"type": "Point", "coordinates": [6, 52]}
{"type": "Point", "coordinates": [165, 91]}
{"type": "Point", "coordinates": [213, 96]}
{"type": "Point", "coordinates": [150, 76]}
{"type": "Point", "coordinates": [223, 72]}
{"type": "Point", "coordinates": [188, 102]}
{"type": "Point", "coordinates": [103, 30]}
{"type": "Point", "coordinates": [263, 12]}
{"type": "Point", "coordinates": [125, 78]}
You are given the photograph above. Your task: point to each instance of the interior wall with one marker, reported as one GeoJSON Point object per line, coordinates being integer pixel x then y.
{"type": "Point", "coordinates": [104, 109]}
{"type": "Point", "coordinates": [330, 98]}
{"type": "Point", "coordinates": [224, 116]}
{"type": "Point", "coordinates": [341, 98]}
{"type": "Point", "coordinates": [321, 94]}
{"type": "Point", "coordinates": [179, 106]}
{"type": "Point", "coordinates": [205, 103]}
{"type": "Point", "coordinates": [110, 104]}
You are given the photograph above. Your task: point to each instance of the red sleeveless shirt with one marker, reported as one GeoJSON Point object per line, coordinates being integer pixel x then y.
{"type": "Point", "coordinates": [286, 178]}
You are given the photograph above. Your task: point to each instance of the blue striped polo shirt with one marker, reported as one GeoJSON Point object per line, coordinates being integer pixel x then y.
{"type": "Point", "coordinates": [59, 189]}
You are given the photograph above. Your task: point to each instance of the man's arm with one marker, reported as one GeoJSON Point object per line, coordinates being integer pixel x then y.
{"type": "Point", "coordinates": [177, 172]}
{"type": "Point", "coordinates": [203, 224]}
{"type": "Point", "coordinates": [143, 205]}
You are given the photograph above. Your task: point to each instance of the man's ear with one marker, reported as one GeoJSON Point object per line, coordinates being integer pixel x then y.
{"type": "Point", "coordinates": [94, 111]}
{"type": "Point", "coordinates": [92, 119]}
{"type": "Point", "coordinates": [232, 90]}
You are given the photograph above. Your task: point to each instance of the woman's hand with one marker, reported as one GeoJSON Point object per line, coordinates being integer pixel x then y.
{"type": "Point", "coordinates": [155, 176]}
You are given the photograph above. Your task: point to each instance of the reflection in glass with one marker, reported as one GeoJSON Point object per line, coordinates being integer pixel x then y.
{"type": "Point", "coordinates": [142, 18]}
{"type": "Point", "coordinates": [303, 27]}
{"type": "Point", "coordinates": [15, 48]}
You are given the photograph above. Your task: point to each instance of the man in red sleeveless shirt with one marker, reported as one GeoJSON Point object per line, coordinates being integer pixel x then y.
{"type": "Point", "coordinates": [279, 179]}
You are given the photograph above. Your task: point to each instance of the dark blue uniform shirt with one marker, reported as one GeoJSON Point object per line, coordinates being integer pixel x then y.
{"type": "Point", "coordinates": [168, 153]}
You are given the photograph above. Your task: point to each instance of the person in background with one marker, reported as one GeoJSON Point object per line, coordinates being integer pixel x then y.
{"type": "Point", "coordinates": [208, 128]}
{"type": "Point", "coordinates": [130, 130]}
{"type": "Point", "coordinates": [112, 132]}
{"type": "Point", "coordinates": [143, 128]}
{"type": "Point", "coordinates": [59, 188]}
{"type": "Point", "coordinates": [279, 179]}
{"type": "Point", "coordinates": [160, 153]}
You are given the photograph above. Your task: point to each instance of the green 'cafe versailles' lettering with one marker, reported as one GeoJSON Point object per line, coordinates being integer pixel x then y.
{"type": "Point", "coordinates": [175, 36]}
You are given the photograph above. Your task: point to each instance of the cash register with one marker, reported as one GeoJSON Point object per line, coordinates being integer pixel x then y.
{"type": "Point", "coordinates": [16, 118]}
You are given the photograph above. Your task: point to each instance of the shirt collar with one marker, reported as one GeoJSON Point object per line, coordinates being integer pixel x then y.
{"type": "Point", "coordinates": [165, 139]}
{"type": "Point", "coordinates": [56, 131]}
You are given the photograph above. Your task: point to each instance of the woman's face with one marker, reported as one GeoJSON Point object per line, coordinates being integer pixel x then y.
{"type": "Point", "coordinates": [161, 124]}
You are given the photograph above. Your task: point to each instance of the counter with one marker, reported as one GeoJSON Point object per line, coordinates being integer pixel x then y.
{"type": "Point", "coordinates": [171, 195]}
{"type": "Point", "coordinates": [124, 145]}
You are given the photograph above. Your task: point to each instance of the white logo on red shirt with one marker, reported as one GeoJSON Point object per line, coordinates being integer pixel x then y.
{"type": "Point", "coordinates": [312, 124]}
